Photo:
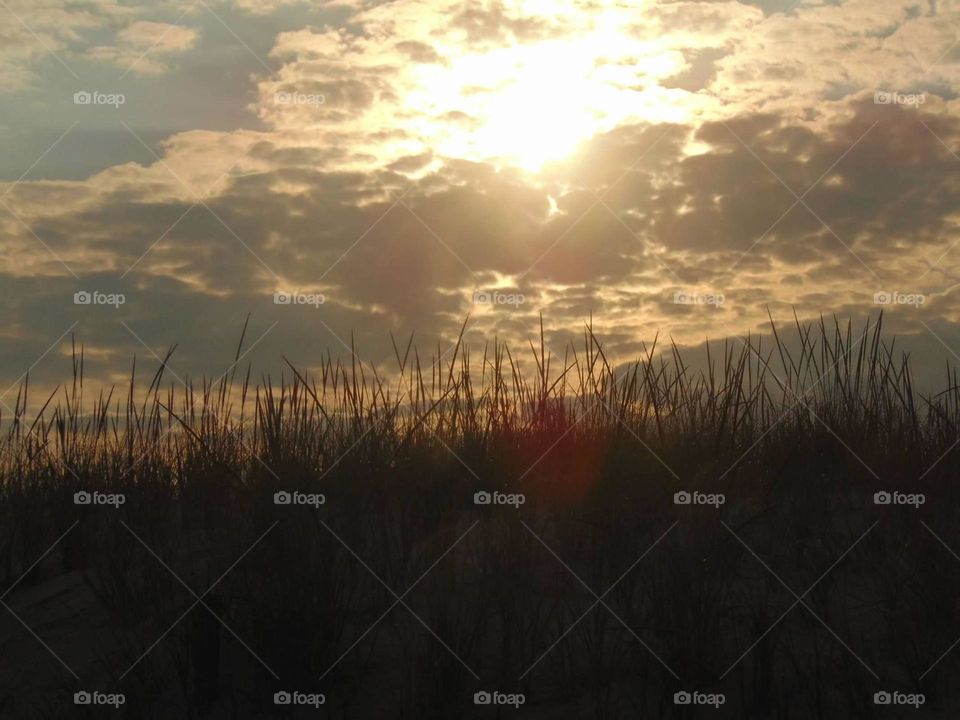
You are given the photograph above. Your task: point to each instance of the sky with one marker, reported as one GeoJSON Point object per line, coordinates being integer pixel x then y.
{"type": "Point", "coordinates": [342, 170]}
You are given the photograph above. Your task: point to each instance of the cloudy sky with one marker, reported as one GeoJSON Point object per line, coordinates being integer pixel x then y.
{"type": "Point", "coordinates": [352, 168]}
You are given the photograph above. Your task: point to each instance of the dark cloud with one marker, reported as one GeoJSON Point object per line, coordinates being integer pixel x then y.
{"type": "Point", "coordinates": [419, 52]}
{"type": "Point", "coordinates": [700, 71]}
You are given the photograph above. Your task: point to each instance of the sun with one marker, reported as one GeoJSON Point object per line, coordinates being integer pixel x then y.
{"type": "Point", "coordinates": [528, 104]}
{"type": "Point", "coordinates": [542, 111]}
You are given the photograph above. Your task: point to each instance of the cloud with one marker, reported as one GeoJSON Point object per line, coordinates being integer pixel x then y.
{"type": "Point", "coordinates": [32, 35]}
{"type": "Point", "coordinates": [145, 47]}
{"type": "Point", "coordinates": [589, 157]}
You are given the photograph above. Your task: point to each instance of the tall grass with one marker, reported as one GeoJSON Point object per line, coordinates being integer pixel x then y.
{"type": "Point", "coordinates": [797, 434]}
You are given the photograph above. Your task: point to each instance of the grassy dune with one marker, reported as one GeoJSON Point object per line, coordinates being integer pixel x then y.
{"type": "Point", "coordinates": [586, 585]}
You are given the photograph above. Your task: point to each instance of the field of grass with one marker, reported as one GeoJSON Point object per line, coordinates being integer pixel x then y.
{"type": "Point", "coordinates": [586, 587]}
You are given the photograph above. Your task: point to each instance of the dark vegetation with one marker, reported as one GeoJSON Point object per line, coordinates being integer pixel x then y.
{"type": "Point", "coordinates": [201, 597]}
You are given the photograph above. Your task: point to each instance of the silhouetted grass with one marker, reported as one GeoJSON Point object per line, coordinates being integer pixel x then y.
{"type": "Point", "coordinates": [797, 435]}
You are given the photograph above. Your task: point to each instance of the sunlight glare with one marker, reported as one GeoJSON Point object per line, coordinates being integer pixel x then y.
{"type": "Point", "coordinates": [526, 105]}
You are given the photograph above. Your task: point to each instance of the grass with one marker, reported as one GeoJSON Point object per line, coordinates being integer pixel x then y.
{"type": "Point", "coordinates": [399, 597]}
